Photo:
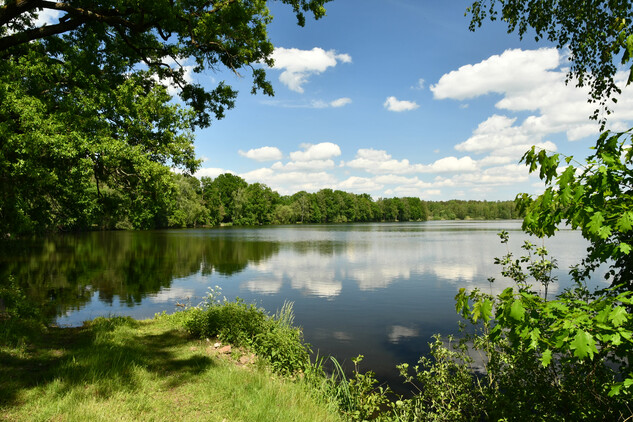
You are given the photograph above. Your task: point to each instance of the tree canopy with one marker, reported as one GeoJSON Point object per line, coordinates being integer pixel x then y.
{"type": "Point", "coordinates": [595, 195]}
{"type": "Point", "coordinates": [88, 127]}
{"type": "Point", "coordinates": [158, 34]}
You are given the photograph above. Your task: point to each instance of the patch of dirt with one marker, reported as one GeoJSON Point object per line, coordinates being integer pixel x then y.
{"type": "Point", "coordinates": [239, 355]}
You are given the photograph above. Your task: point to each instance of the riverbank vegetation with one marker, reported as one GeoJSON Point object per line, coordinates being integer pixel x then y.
{"type": "Point", "coordinates": [94, 135]}
{"type": "Point", "coordinates": [121, 369]}
{"type": "Point", "coordinates": [229, 200]}
{"type": "Point", "coordinates": [518, 357]}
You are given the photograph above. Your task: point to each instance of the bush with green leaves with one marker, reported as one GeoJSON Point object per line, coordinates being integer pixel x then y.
{"type": "Point", "coordinates": [19, 318]}
{"type": "Point", "coordinates": [520, 356]}
{"type": "Point", "coordinates": [593, 197]}
{"type": "Point", "coordinates": [273, 338]}
{"type": "Point", "coordinates": [561, 359]}
{"type": "Point", "coordinates": [444, 385]}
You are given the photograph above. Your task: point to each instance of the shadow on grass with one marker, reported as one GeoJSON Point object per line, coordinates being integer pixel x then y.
{"type": "Point", "coordinates": [93, 359]}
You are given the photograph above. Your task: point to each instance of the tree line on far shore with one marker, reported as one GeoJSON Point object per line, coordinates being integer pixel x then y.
{"type": "Point", "coordinates": [229, 199]}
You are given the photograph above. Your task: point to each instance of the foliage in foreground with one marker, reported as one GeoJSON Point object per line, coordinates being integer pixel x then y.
{"type": "Point", "coordinates": [273, 338]}
{"type": "Point", "coordinates": [88, 129]}
{"type": "Point", "coordinates": [562, 359]}
{"type": "Point", "coordinates": [521, 357]}
{"type": "Point", "coordinates": [20, 319]}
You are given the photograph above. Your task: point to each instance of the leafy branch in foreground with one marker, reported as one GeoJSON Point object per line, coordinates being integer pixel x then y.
{"type": "Point", "coordinates": [576, 348]}
{"type": "Point", "coordinates": [523, 357]}
{"type": "Point", "coordinates": [595, 198]}
{"type": "Point", "coordinates": [89, 130]}
{"type": "Point", "coordinates": [562, 359]}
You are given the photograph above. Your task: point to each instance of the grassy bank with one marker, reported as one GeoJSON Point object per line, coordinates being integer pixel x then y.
{"type": "Point", "coordinates": [121, 369]}
{"type": "Point", "coordinates": [231, 361]}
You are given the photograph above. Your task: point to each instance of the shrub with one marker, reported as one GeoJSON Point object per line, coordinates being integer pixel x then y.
{"type": "Point", "coordinates": [20, 319]}
{"type": "Point", "coordinates": [273, 338]}
{"type": "Point", "coordinates": [568, 358]}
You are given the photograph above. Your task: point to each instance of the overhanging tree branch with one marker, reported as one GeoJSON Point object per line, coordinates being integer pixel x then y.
{"type": "Point", "coordinates": [38, 33]}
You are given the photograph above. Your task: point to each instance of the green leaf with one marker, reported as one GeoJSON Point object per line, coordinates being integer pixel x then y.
{"type": "Point", "coordinates": [625, 248]}
{"type": "Point", "coordinates": [566, 195]}
{"type": "Point", "coordinates": [618, 316]}
{"type": "Point", "coordinates": [615, 389]}
{"type": "Point", "coordinates": [486, 309]}
{"type": "Point", "coordinates": [604, 232]}
{"type": "Point", "coordinates": [603, 315]}
{"type": "Point", "coordinates": [625, 222]}
{"type": "Point", "coordinates": [461, 302]}
{"type": "Point", "coordinates": [546, 358]}
{"type": "Point", "coordinates": [595, 224]}
{"type": "Point", "coordinates": [567, 176]}
{"type": "Point", "coordinates": [517, 311]}
{"type": "Point", "coordinates": [535, 336]}
{"type": "Point", "coordinates": [583, 345]}
{"type": "Point", "coordinates": [616, 340]}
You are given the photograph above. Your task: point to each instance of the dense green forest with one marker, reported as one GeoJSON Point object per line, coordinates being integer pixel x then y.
{"type": "Point", "coordinates": [229, 199]}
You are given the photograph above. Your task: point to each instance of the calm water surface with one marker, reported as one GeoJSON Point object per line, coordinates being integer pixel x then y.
{"type": "Point", "coordinates": [381, 290]}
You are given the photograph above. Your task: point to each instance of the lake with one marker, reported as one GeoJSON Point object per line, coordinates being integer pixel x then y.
{"type": "Point", "coordinates": [381, 290]}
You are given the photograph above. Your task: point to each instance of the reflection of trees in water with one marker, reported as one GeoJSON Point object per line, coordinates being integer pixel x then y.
{"type": "Point", "coordinates": [61, 274]}
{"type": "Point", "coordinates": [323, 247]}
{"type": "Point", "coordinates": [228, 256]}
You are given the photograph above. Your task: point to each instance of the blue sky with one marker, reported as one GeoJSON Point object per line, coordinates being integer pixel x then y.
{"type": "Point", "coordinates": [399, 98]}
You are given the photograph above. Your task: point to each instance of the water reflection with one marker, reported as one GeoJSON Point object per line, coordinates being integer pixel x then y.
{"type": "Point", "coordinates": [378, 289]}
{"type": "Point", "coordinates": [397, 333]}
{"type": "Point", "coordinates": [62, 274]}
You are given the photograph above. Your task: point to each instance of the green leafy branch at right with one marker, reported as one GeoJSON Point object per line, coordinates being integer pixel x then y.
{"type": "Point", "coordinates": [595, 198]}
{"type": "Point", "coordinates": [567, 357]}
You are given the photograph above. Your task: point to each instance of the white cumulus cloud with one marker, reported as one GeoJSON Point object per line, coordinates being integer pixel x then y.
{"type": "Point", "coordinates": [290, 182]}
{"type": "Point", "coordinates": [298, 65]}
{"type": "Point", "coordinates": [211, 172]}
{"type": "Point", "coordinates": [262, 154]}
{"type": "Point", "coordinates": [393, 104]}
{"type": "Point", "coordinates": [513, 71]}
{"type": "Point", "coordinates": [379, 162]}
{"type": "Point", "coordinates": [452, 164]}
{"type": "Point", "coordinates": [528, 81]}
{"type": "Point", "coordinates": [322, 151]}
{"type": "Point", "coordinates": [360, 184]}
{"type": "Point", "coordinates": [303, 165]}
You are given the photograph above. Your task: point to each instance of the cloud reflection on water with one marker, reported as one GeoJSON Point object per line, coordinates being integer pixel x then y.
{"type": "Point", "coordinates": [397, 333]}
{"type": "Point", "coordinates": [372, 260]}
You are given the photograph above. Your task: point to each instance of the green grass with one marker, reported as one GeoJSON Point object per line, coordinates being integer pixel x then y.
{"type": "Point", "coordinates": [121, 369]}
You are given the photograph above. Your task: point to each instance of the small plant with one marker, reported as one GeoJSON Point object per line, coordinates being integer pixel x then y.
{"type": "Point", "coordinates": [539, 269]}
{"type": "Point", "coordinates": [446, 388]}
{"type": "Point", "coordinates": [359, 397]}
{"type": "Point", "coordinates": [566, 357]}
